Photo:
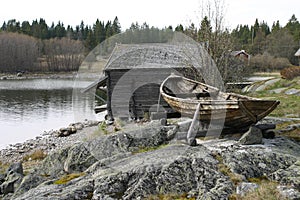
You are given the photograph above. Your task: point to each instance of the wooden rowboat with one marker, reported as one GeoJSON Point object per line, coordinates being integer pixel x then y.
{"type": "Point", "coordinates": [234, 110]}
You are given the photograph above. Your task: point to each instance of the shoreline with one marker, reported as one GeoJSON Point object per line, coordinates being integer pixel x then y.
{"type": "Point", "coordinates": [37, 75]}
{"type": "Point", "coordinates": [48, 141]}
{"type": "Point", "coordinates": [52, 140]}
{"type": "Point", "coordinates": [141, 151]}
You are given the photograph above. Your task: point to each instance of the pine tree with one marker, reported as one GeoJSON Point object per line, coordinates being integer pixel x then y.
{"type": "Point", "coordinates": [205, 30]}
{"type": "Point", "coordinates": [293, 26]}
{"type": "Point", "coordinates": [99, 31]}
{"type": "Point", "coordinates": [116, 27]}
{"type": "Point", "coordinates": [26, 28]}
{"type": "Point", "coordinates": [60, 30]}
{"type": "Point", "coordinates": [179, 28]}
{"type": "Point", "coordinates": [276, 26]}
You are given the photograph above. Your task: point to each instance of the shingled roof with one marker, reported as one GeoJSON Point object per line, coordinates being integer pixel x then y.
{"type": "Point", "coordinates": [128, 56]}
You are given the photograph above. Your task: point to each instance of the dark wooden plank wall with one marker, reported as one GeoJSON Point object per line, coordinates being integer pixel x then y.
{"type": "Point", "coordinates": [141, 88]}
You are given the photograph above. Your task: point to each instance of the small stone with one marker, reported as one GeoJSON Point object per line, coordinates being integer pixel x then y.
{"type": "Point", "coordinates": [71, 130]}
{"type": "Point", "coordinates": [269, 134]}
{"type": "Point", "coordinates": [19, 74]}
{"type": "Point", "coordinates": [292, 91]}
{"type": "Point", "coordinates": [163, 121]}
{"type": "Point", "coordinates": [252, 136]}
{"type": "Point", "coordinates": [158, 115]}
{"type": "Point", "coordinates": [192, 142]}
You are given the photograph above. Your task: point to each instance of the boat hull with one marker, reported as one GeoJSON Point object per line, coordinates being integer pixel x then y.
{"type": "Point", "coordinates": [229, 109]}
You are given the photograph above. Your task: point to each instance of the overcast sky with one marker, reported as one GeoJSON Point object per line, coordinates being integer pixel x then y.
{"type": "Point", "coordinates": [158, 13]}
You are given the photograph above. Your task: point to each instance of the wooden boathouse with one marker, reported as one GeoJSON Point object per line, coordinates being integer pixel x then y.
{"type": "Point", "coordinates": [133, 75]}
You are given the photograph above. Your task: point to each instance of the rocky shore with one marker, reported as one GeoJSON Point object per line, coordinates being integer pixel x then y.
{"type": "Point", "coordinates": [46, 75]}
{"type": "Point", "coordinates": [91, 160]}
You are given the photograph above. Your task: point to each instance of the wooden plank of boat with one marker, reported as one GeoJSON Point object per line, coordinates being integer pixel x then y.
{"type": "Point", "coordinates": [100, 108]}
{"type": "Point", "coordinates": [183, 95]}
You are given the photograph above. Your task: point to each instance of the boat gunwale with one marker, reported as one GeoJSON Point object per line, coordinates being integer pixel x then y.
{"type": "Point", "coordinates": [209, 101]}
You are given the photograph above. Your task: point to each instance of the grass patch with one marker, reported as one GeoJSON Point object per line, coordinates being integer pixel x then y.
{"type": "Point", "coordinates": [289, 104]}
{"type": "Point", "coordinates": [267, 190]}
{"type": "Point", "coordinates": [3, 167]}
{"type": "Point", "coordinates": [294, 134]}
{"type": "Point", "coordinates": [103, 128]}
{"type": "Point", "coordinates": [143, 149]}
{"type": "Point", "coordinates": [66, 178]}
{"type": "Point", "coordinates": [258, 180]}
{"type": "Point", "coordinates": [36, 155]}
{"type": "Point", "coordinates": [170, 197]}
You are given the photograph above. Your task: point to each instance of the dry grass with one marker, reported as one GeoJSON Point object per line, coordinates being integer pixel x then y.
{"type": "Point", "coordinates": [36, 155]}
{"type": "Point", "coordinates": [235, 178]}
{"type": "Point", "coordinates": [170, 197]}
{"type": "Point", "coordinates": [65, 179]}
{"type": "Point", "coordinates": [266, 191]}
{"type": "Point", "coordinates": [290, 72]}
{"type": "Point", "coordinates": [3, 167]}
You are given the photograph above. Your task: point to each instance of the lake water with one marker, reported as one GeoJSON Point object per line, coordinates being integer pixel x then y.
{"type": "Point", "coordinates": [31, 106]}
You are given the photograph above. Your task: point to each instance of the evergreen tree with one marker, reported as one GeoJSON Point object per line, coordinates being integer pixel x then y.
{"type": "Point", "coordinates": [205, 30]}
{"type": "Point", "coordinates": [13, 26]}
{"type": "Point", "coordinates": [116, 27]}
{"type": "Point", "coordinates": [26, 28]}
{"type": "Point", "coordinates": [70, 32]}
{"type": "Point", "coordinates": [43, 29]}
{"type": "Point", "coordinates": [293, 26]}
{"type": "Point", "coordinates": [4, 26]}
{"type": "Point", "coordinates": [51, 31]}
{"type": "Point", "coordinates": [265, 28]}
{"type": "Point", "coordinates": [276, 26]}
{"type": "Point", "coordinates": [90, 41]}
{"type": "Point", "coordinates": [99, 31]}
{"type": "Point", "coordinates": [108, 29]}
{"type": "Point", "coordinates": [179, 28]}
{"type": "Point", "coordinates": [60, 30]}
{"type": "Point", "coordinates": [192, 31]}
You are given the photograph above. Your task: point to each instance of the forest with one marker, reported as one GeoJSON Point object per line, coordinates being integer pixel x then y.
{"type": "Point", "coordinates": [36, 46]}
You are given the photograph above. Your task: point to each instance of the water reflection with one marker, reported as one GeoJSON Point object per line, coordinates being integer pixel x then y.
{"type": "Point", "coordinates": [29, 107]}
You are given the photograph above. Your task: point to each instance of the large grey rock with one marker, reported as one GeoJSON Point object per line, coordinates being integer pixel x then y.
{"type": "Point", "coordinates": [258, 160]}
{"type": "Point", "coordinates": [13, 178]}
{"type": "Point", "coordinates": [288, 176]}
{"type": "Point", "coordinates": [113, 169]}
{"type": "Point", "coordinates": [30, 181]}
{"type": "Point", "coordinates": [252, 136]}
{"type": "Point", "coordinates": [267, 83]}
{"type": "Point", "coordinates": [288, 192]}
{"type": "Point", "coordinates": [277, 90]}
{"type": "Point", "coordinates": [53, 164]}
{"type": "Point", "coordinates": [75, 189]}
{"type": "Point", "coordinates": [79, 159]}
{"type": "Point", "coordinates": [2, 178]}
{"type": "Point", "coordinates": [173, 169]}
{"type": "Point", "coordinates": [15, 168]}
{"type": "Point", "coordinates": [292, 91]}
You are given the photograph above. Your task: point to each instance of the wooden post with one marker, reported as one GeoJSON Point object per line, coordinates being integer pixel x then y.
{"type": "Point", "coordinates": [109, 93]}
{"type": "Point", "coordinates": [191, 133]}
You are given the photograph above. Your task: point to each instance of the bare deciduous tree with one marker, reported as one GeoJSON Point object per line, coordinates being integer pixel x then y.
{"type": "Point", "coordinates": [63, 54]}
{"type": "Point", "coordinates": [216, 36]}
{"type": "Point", "coordinates": [18, 52]}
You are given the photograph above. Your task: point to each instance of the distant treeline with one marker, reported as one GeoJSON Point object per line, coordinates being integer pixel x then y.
{"type": "Point", "coordinates": [91, 35]}
{"type": "Point", "coordinates": [36, 46]}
